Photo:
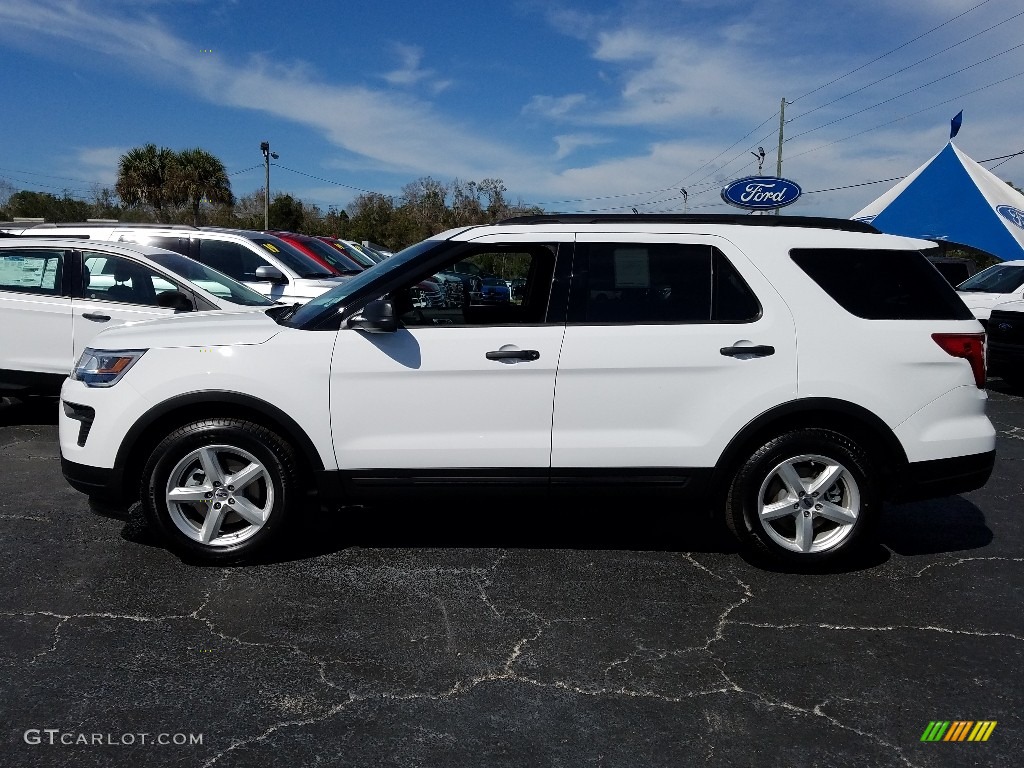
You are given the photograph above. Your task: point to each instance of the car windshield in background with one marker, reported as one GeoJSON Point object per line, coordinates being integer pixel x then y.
{"type": "Point", "coordinates": [210, 280]}
{"type": "Point", "coordinates": [336, 297]}
{"type": "Point", "coordinates": [293, 258]}
{"type": "Point", "coordinates": [1000, 278]}
{"type": "Point", "coordinates": [368, 253]}
{"type": "Point", "coordinates": [333, 256]}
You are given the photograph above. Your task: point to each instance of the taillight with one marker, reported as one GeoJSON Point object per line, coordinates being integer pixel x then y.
{"type": "Point", "coordinates": [970, 346]}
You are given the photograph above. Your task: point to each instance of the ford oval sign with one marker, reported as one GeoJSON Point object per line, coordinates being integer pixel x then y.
{"type": "Point", "coordinates": [761, 193]}
{"type": "Point", "coordinates": [1011, 214]}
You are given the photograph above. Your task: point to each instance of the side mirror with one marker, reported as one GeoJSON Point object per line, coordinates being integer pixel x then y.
{"type": "Point", "coordinates": [377, 317]}
{"type": "Point", "coordinates": [175, 300]}
{"type": "Point", "coordinates": [270, 274]}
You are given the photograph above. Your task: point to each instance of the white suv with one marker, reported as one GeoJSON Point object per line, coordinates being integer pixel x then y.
{"type": "Point", "coordinates": [993, 285]}
{"type": "Point", "coordinates": [57, 294]}
{"type": "Point", "coordinates": [263, 262]}
{"type": "Point", "coordinates": [795, 372]}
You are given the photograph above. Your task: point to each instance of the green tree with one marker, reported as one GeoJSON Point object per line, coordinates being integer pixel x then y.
{"type": "Point", "coordinates": [196, 177]}
{"type": "Point", "coordinates": [27, 204]}
{"type": "Point", "coordinates": [6, 190]}
{"type": "Point", "coordinates": [335, 223]}
{"type": "Point", "coordinates": [104, 204]}
{"type": "Point", "coordinates": [285, 213]}
{"type": "Point", "coordinates": [143, 174]}
{"type": "Point", "coordinates": [372, 216]}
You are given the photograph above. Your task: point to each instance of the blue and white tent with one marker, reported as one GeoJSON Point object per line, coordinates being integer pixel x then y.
{"type": "Point", "coordinates": [953, 199]}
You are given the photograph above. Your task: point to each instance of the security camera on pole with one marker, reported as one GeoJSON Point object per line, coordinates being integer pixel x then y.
{"type": "Point", "coordinates": [267, 154]}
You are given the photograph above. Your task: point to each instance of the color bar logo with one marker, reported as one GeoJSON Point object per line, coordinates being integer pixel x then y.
{"type": "Point", "coordinates": [958, 730]}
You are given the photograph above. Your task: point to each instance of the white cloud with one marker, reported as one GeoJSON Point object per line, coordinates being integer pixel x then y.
{"type": "Point", "coordinates": [410, 73]}
{"type": "Point", "coordinates": [401, 133]}
{"type": "Point", "coordinates": [554, 107]}
{"type": "Point", "coordinates": [569, 143]}
{"type": "Point", "coordinates": [99, 163]}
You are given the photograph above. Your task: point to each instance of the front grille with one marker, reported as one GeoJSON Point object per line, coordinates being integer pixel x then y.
{"type": "Point", "coordinates": [1006, 327]}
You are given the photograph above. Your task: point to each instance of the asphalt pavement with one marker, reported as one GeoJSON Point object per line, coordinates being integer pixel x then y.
{"type": "Point", "coordinates": [496, 636]}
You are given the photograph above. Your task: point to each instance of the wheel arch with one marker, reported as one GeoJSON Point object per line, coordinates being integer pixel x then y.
{"type": "Point", "coordinates": [856, 422]}
{"type": "Point", "coordinates": [164, 417]}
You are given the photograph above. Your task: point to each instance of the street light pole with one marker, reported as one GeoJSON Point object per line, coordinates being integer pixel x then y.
{"type": "Point", "coordinates": [267, 154]}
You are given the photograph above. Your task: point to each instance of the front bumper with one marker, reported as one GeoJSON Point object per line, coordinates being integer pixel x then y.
{"type": "Point", "coordinates": [1005, 359]}
{"type": "Point", "coordinates": [96, 482]}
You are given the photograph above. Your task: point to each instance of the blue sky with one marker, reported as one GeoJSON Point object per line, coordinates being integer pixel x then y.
{"type": "Point", "coordinates": [584, 105]}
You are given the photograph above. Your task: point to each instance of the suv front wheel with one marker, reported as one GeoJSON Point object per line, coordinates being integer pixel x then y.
{"type": "Point", "coordinates": [220, 489]}
{"type": "Point", "coordinates": [804, 497]}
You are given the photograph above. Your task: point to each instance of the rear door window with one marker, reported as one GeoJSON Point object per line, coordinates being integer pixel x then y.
{"type": "Point", "coordinates": [232, 259]}
{"type": "Point", "coordinates": [31, 271]}
{"type": "Point", "coordinates": [660, 282]}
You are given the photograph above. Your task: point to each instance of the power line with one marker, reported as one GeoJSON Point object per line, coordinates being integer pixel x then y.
{"type": "Point", "coordinates": [888, 53]}
{"type": "Point", "coordinates": [907, 93]}
{"type": "Point", "coordinates": [909, 66]}
{"type": "Point", "coordinates": [904, 117]}
{"type": "Point", "coordinates": [326, 181]}
{"type": "Point", "coordinates": [841, 77]}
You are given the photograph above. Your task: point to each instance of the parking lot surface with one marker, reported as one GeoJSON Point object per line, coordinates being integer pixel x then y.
{"type": "Point", "coordinates": [494, 636]}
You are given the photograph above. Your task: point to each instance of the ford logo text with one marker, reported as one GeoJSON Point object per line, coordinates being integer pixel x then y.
{"type": "Point", "coordinates": [761, 192]}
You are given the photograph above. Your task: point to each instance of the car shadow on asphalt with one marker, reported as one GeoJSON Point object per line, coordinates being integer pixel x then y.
{"type": "Point", "coordinates": [499, 526]}
{"type": "Point", "coordinates": [920, 528]}
{"type": "Point", "coordinates": [28, 411]}
{"type": "Point", "coordinates": [1003, 387]}
{"type": "Point", "coordinates": [933, 527]}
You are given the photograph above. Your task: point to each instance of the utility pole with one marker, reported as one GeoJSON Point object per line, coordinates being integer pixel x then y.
{"type": "Point", "coordinates": [782, 122]}
{"type": "Point", "coordinates": [267, 154]}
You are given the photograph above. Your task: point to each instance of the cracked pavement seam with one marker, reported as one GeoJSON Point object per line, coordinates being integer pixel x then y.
{"type": "Point", "coordinates": [506, 671]}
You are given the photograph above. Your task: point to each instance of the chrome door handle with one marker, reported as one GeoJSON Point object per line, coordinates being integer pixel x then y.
{"type": "Point", "coordinates": [514, 354]}
{"type": "Point", "coordinates": [761, 350]}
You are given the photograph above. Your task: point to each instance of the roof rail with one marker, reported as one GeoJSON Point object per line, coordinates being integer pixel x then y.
{"type": "Point", "coordinates": [109, 223]}
{"type": "Point", "coordinates": [811, 222]}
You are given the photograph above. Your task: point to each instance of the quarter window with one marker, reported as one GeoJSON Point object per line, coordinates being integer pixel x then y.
{"type": "Point", "coordinates": [882, 285]}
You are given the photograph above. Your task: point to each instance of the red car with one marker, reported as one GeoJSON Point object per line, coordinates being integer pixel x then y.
{"type": "Point", "coordinates": [332, 258]}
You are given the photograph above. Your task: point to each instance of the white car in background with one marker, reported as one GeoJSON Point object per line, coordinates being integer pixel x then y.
{"type": "Point", "coordinates": [265, 263]}
{"type": "Point", "coordinates": [994, 285]}
{"type": "Point", "coordinates": [56, 294]}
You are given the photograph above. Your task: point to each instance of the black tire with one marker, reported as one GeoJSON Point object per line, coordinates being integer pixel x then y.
{"type": "Point", "coordinates": [239, 522]}
{"type": "Point", "coordinates": [835, 481]}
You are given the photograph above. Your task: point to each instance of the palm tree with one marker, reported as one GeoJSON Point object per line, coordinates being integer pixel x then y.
{"type": "Point", "coordinates": [142, 177]}
{"type": "Point", "coordinates": [198, 177]}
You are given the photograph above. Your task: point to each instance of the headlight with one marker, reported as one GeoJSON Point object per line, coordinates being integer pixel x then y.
{"type": "Point", "coordinates": [104, 368]}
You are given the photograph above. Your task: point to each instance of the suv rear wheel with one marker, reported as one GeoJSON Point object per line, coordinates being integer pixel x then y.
{"type": "Point", "coordinates": [220, 489]}
{"type": "Point", "coordinates": [805, 497]}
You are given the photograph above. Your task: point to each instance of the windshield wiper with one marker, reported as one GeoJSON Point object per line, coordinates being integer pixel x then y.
{"type": "Point", "coordinates": [282, 313]}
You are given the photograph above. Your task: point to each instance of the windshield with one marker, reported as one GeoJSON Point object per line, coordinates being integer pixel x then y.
{"type": "Point", "coordinates": [298, 262]}
{"type": "Point", "coordinates": [333, 256]}
{"type": "Point", "coordinates": [336, 297]}
{"type": "Point", "coordinates": [1000, 278]}
{"type": "Point", "coordinates": [368, 253]}
{"type": "Point", "coordinates": [210, 280]}
{"type": "Point", "coordinates": [351, 253]}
